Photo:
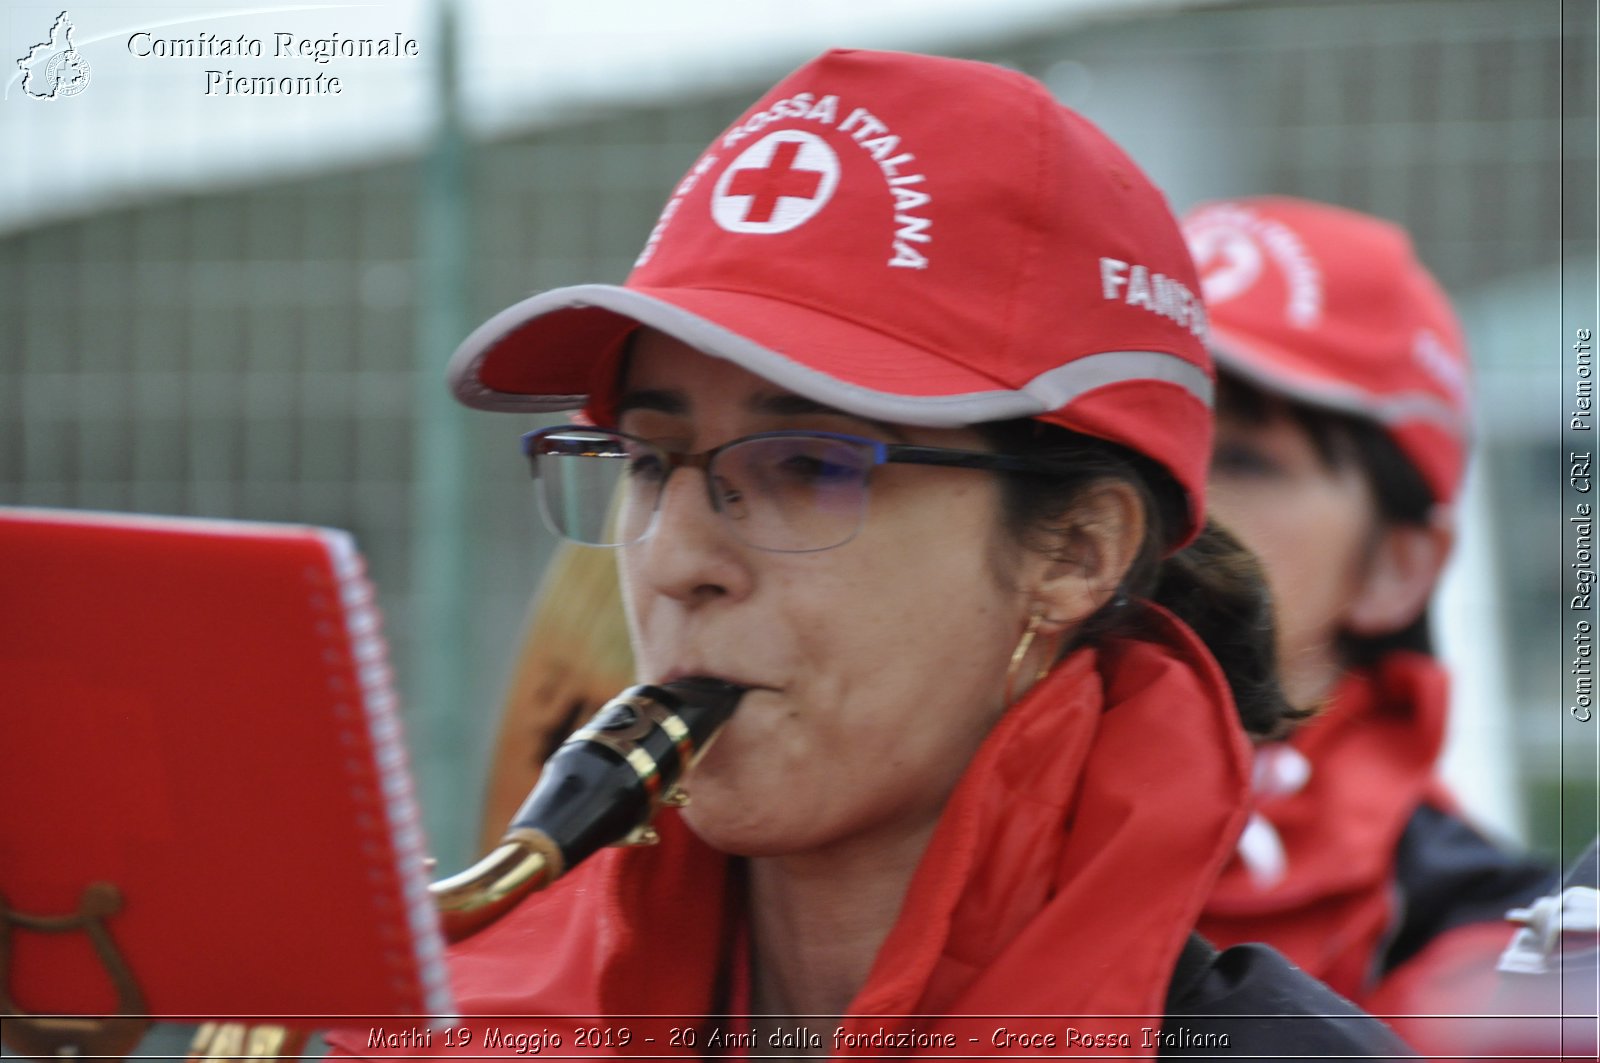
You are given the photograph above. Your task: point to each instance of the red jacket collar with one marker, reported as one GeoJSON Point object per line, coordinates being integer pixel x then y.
{"type": "Point", "coordinates": [1371, 758]}
{"type": "Point", "coordinates": [1068, 869]}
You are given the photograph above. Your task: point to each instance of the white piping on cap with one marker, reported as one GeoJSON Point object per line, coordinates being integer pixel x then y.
{"type": "Point", "coordinates": [1051, 390]}
{"type": "Point", "coordinates": [1405, 407]}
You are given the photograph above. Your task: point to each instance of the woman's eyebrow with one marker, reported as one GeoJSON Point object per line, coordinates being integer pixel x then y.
{"type": "Point", "coordinates": [788, 404]}
{"type": "Point", "coordinates": [772, 404]}
{"type": "Point", "coordinates": [659, 399]}
{"type": "Point", "coordinates": [777, 403]}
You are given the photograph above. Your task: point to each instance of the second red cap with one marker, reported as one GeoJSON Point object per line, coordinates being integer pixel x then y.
{"type": "Point", "coordinates": [1330, 307]}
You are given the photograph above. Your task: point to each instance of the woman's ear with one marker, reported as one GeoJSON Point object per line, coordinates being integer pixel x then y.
{"type": "Point", "coordinates": [1402, 570]}
{"type": "Point", "coordinates": [1096, 543]}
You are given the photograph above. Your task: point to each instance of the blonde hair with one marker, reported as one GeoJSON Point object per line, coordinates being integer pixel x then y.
{"type": "Point", "coordinates": [574, 657]}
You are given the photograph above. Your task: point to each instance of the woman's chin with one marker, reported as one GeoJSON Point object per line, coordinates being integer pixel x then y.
{"type": "Point", "coordinates": [736, 827]}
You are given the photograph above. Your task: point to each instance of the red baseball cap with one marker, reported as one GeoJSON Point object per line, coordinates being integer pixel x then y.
{"type": "Point", "coordinates": [913, 239]}
{"type": "Point", "coordinates": [1330, 307]}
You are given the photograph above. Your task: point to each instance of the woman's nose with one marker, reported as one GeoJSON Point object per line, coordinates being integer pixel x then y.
{"type": "Point", "coordinates": [691, 553]}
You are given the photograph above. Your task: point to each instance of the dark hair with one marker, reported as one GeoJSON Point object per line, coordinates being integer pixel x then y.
{"type": "Point", "coordinates": [1214, 585]}
{"type": "Point", "coordinates": [1344, 441]}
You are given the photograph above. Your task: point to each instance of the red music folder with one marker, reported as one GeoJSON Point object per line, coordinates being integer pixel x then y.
{"type": "Point", "coordinates": [201, 714]}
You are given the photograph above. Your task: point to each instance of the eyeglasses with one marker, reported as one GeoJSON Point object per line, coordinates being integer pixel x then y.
{"type": "Point", "coordinates": [787, 492]}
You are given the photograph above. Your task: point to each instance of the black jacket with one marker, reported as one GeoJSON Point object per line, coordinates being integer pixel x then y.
{"type": "Point", "coordinates": [1250, 1003]}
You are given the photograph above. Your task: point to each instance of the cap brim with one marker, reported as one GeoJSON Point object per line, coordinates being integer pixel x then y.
{"type": "Point", "coordinates": [552, 351]}
{"type": "Point", "coordinates": [557, 351]}
{"type": "Point", "coordinates": [1282, 371]}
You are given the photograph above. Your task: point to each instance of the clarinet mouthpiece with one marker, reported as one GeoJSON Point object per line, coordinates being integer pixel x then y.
{"type": "Point", "coordinates": [602, 787]}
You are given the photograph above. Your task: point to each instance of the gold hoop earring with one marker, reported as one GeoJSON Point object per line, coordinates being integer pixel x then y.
{"type": "Point", "coordinates": [1020, 654]}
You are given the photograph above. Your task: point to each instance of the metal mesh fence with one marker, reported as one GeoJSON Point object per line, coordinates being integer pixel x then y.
{"type": "Point", "coordinates": [248, 352]}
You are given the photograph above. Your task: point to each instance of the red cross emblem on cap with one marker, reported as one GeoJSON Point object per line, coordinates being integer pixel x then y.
{"type": "Point", "coordinates": [780, 179]}
{"type": "Point", "coordinates": [1228, 261]}
{"type": "Point", "coordinates": [776, 184]}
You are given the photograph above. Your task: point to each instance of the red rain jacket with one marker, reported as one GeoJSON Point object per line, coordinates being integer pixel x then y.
{"type": "Point", "coordinates": [1383, 892]}
{"type": "Point", "coordinates": [1063, 879]}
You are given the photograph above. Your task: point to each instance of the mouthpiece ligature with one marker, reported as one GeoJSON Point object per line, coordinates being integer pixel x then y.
{"type": "Point", "coordinates": [602, 787]}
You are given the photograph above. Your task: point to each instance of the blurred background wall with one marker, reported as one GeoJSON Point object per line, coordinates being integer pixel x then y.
{"type": "Point", "coordinates": [266, 341]}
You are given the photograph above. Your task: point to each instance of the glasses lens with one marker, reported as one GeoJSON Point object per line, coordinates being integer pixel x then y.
{"type": "Point", "coordinates": [794, 493]}
{"type": "Point", "coordinates": [597, 487]}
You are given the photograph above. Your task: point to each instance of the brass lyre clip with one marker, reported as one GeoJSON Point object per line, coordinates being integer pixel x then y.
{"type": "Point", "coordinates": [50, 1036]}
